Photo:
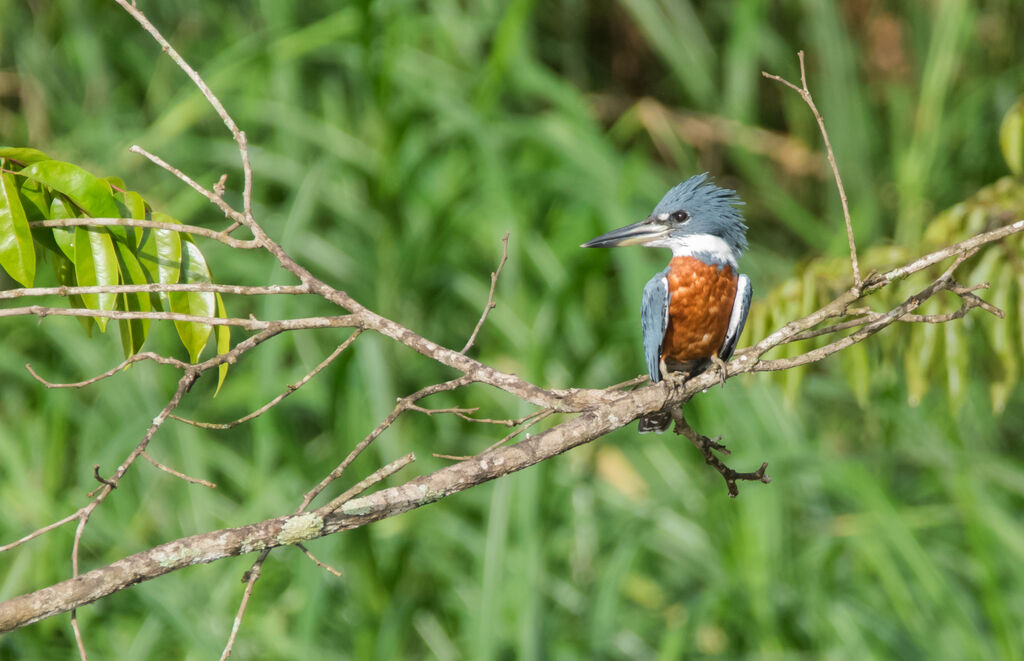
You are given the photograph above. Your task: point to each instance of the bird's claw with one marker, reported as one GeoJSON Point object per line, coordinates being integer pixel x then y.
{"type": "Point", "coordinates": [677, 380]}
{"type": "Point", "coordinates": [720, 366]}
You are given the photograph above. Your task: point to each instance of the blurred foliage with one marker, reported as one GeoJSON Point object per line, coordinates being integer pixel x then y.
{"type": "Point", "coordinates": [393, 146]}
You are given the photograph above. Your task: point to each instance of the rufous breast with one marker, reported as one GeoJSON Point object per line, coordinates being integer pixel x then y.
{"type": "Point", "coordinates": [700, 304]}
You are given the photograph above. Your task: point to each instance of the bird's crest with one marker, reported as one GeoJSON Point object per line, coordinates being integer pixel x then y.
{"type": "Point", "coordinates": [710, 207]}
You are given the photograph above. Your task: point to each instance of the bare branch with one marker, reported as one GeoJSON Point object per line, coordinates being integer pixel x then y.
{"type": "Point", "coordinates": [78, 636]}
{"type": "Point", "coordinates": [291, 388]}
{"type": "Point", "coordinates": [343, 321]}
{"type": "Point", "coordinates": [321, 565]}
{"type": "Point", "coordinates": [251, 577]}
{"type": "Point", "coordinates": [708, 447]}
{"type": "Point", "coordinates": [805, 93]}
{"type": "Point", "coordinates": [536, 417]}
{"type": "Point", "coordinates": [154, 288]}
{"type": "Point", "coordinates": [401, 407]}
{"type": "Point", "coordinates": [218, 107]}
{"type": "Point", "coordinates": [190, 182]}
{"type": "Point", "coordinates": [171, 471]}
{"type": "Point", "coordinates": [367, 482]}
{"type": "Point", "coordinates": [912, 303]}
{"type": "Point", "coordinates": [147, 355]}
{"type": "Point", "coordinates": [41, 531]}
{"type": "Point", "coordinates": [490, 296]}
{"type": "Point", "coordinates": [242, 244]}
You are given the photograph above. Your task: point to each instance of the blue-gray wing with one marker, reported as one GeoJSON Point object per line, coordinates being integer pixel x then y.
{"type": "Point", "coordinates": [654, 321]}
{"type": "Point", "coordinates": [740, 308]}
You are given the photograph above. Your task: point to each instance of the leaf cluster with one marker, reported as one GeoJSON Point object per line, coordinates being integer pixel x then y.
{"type": "Point", "coordinates": [35, 188]}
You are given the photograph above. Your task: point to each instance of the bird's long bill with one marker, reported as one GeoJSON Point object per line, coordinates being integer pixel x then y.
{"type": "Point", "coordinates": [636, 234]}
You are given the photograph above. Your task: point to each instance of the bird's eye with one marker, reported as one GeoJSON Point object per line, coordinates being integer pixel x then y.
{"type": "Point", "coordinates": [680, 216]}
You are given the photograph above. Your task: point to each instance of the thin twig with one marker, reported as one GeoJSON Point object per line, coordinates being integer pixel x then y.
{"type": "Point", "coordinates": [869, 329]}
{"type": "Point", "coordinates": [154, 288]}
{"type": "Point", "coordinates": [362, 485]}
{"type": "Point", "coordinates": [251, 577]}
{"type": "Point", "coordinates": [193, 184]}
{"type": "Point", "coordinates": [319, 563]}
{"type": "Point", "coordinates": [466, 414]}
{"type": "Point", "coordinates": [402, 406]}
{"type": "Point", "coordinates": [289, 390]}
{"type": "Point", "coordinates": [41, 531]}
{"type": "Point", "coordinates": [148, 355]}
{"type": "Point", "coordinates": [171, 471]}
{"type": "Point", "coordinates": [537, 417]}
{"type": "Point", "coordinates": [341, 321]}
{"type": "Point", "coordinates": [242, 244]}
{"type": "Point", "coordinates": [805, 93]}
{"type": "Point", "coordinates": [78, 636]}
{"type": "Point", "coordinates": [214, 102]}
{"type": "Point", "coordinates": [490, 295]}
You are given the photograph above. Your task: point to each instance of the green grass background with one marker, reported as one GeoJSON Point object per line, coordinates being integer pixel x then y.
{"type": "Point", "coordinates": [394, 143]}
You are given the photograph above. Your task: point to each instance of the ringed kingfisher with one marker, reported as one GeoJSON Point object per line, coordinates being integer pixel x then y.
{"type": "Point", "coordinates": [693, 311]}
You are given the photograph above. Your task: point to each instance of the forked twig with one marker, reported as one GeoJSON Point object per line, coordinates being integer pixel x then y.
{"type": "Point", "coordinates": [708, 447]}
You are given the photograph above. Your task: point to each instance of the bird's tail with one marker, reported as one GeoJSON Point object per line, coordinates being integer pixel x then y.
{"type": "Point", "coordinates": [656, 422]}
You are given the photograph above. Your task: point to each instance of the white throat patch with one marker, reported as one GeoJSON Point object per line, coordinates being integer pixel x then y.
{"type": "Point", "coordinates": [691, 244]}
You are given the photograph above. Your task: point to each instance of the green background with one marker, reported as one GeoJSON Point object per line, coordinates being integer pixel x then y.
{"type": "Point", "coordinates": [393, 144]}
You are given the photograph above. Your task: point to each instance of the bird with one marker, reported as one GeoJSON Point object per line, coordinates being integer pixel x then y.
{"type": "Point", "coordinates": [692, 312]}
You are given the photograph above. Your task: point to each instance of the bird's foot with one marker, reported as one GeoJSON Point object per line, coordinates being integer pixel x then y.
{"type": "Point", "coordinates": [720, 366]}
{"type": "Point", "coordinates": [677, 380]}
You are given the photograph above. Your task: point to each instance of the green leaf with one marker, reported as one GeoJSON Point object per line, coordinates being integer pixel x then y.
{"type": "Point", "coordinates": [96, 264]}
{"type": "Point", "coordinates": [136, 208]}
{"type": "Point", "coordinates": [34, 198]}
{"type": "Point", "coordinates": [133, 331]}
{"type": "Point", "coordinates": [193, 270]}
{"type": "Point", "coordinates": [17, 251]}
{"type": "Point", "coordinates": [63, 236]}
{"type": "Point", "coordinates": [1011, 137]}
{"type": "Point", "coordinates": [135, 204]}
{"type": "Point", "coordinates": [85, 189]}
{"type": "Point", "coordinates": [223, 334]}
{"type": "Point", "coordinates": [64, 270]}
{"type": "Point", "coordinates": [23, 155]}
{"type": "Point", "coordinates": [160, 256]}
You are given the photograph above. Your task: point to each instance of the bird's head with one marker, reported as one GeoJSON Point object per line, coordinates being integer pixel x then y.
{"type": "Point", "coordinates": [695, 218]}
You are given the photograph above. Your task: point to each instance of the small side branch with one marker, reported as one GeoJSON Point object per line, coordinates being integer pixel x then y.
{"type": "Point", "coordinates": [403, 405]}
{"type": "Point", "coordinates": [241, 244]}
{"type": "Point", "coordinates": [805, 94]}
{"type": "Point", "coordinates": [41, 531]}
{"type": "Point", "coordinates": [373, 478]}
{"type": "Point", "coordinates": [276, 400]}
{"type": "Point", "coordinates": [178, 474]}
{"type": "Point", "coordinates": [490, 296]}
{"type": "Point", "coordinates": [708, 447]}
{"type": "Point", "coordinates": [319, 563]}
